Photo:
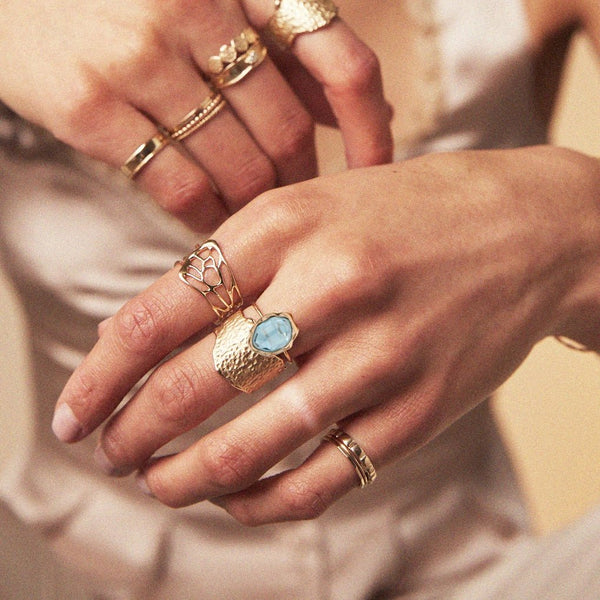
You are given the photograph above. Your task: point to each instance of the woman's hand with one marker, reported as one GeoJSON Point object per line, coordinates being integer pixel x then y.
{"type": "Point", "coordinates": [417, 288]}
{"type": "Point", "coordinates": [102, 76]}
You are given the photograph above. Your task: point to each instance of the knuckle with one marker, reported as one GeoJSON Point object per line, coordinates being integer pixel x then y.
{"type": "Point", "coordinates": [302, 500]}
{"type": "Point", "coordinates": [255, 176]}
{"type": "Point", "coordinates": [359, 72]}
{"type": "Point", "coordinates": [228, 465]}
{"type": "Point", "coordinates": [116, 446]}
{"type": "Point", "coordinates": [295, 135]}
{"type": "Point", "coordinates": [182, 193]}
{"type": "Point", "coordinates": [138, 325]}
{"type": "Point", "coordinates": [285, 212]}
{"type": "Point", "coordinates": [176, 389]}
{"type": "Point", "coordinates": [80, 118]}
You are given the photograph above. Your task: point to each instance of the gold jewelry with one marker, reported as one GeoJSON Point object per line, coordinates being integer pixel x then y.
{"type": "Point", "coordinates": [236, 59]}
{"type": "Point", "coordinates": [144, 153]}
{"type": "Point", "coordinates": [207, 271]}
{"type": "Point", "coordinates": [351, 450]}
{"type": "Point", "coordinates": [293, 17]}
{"type": "Point", "coordinates": [248, 353]}
{"type": "Point", "coordinates": [198, 117]}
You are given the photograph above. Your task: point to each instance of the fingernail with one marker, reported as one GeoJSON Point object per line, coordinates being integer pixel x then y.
{"type": "Point", "coordinates": [65, 425]}
{"type": "Point", "coordinates": [107, 466]}
{"type": "Point", "coordinates": [140, 480]}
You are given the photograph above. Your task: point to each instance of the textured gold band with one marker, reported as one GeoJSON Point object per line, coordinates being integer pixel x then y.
{"type": "Point", "coordinates": [207, 271]}
{"type": "Point", "coordinates": [293, 17]}
{"type": "Point", "coordinates": [249, 357]}
{"type": "Point", "coordinates": [236, 59]}
{"type": "Point", "coordinates": [144, 153]}
{"type": "Point", "coordinates": [209, 108]}
{"type": "Point", "coordinates": [351, 450]}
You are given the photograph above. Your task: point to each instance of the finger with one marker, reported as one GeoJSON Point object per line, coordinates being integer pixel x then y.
{"type": "Point", "coordinates": [237, 454]}
{"type": "Point", "coordinates": [277, 120]}
{"type": "Point", "coordinates": [109, 129]}
{"type": "Point", "coordinates": [350, 75]}
{"type": "Point", "coordinates": [147, 328]}
{"type": "Point", "coordinates": [223, 147]}
{"type": "Point", "coordinates": [351, 78]}
{"type": "Point", "coordinates": [181, 393]}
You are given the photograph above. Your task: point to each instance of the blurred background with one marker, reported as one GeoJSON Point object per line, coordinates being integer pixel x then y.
{"type": "Point", "coordinates": [549, 410]}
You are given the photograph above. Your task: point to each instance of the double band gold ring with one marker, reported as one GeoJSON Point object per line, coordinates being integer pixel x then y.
{"type": "Point", "coordinates": [350, 448]}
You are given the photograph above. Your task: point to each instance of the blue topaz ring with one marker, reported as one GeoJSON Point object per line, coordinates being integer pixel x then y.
{"type": "Point", "coordinates": [250, 352]}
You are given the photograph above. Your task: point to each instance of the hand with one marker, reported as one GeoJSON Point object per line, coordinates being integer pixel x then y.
{"type": "Point", "coordinates": [417, 288]}
{"type": "Point", "coordinates": [102, 76]}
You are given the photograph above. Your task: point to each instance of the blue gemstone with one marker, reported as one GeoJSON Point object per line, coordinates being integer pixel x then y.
{"type": "Point", "coordinates": [273, 335]}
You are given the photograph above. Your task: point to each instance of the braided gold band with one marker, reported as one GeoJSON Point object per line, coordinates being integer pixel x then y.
{"type": "Point", "coordinates": [207, 271]}
{"type": "Point", "coordinates": [144, 153]}
{"type": "Point", "coordinates": [236, 59]}
{"type": "Point", "coordinates": [351, 450]}
{"type": "Point", "coordinates": [209, 108]}
{"type": "Point", "coordinates": [293, 17]}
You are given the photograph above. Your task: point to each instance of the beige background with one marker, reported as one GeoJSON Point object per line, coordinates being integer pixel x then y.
{"type": "Point", "coordinates": [549, 410]}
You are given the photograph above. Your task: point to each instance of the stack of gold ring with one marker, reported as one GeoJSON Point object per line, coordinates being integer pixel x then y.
{"type": "Point", "coordinates": [248, 352]}
{"type": "Point", "coordinates": [293, 17]}
{"type": "Point", "coordinates": [195, 119]}
{"type": "Point", "coordinates": [349, 447]}
{"type": "Point", "coordinates": [236, 59]}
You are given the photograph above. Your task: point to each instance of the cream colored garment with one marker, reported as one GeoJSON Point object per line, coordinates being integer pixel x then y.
{"type": "Point", "coordinates": [79, 241]}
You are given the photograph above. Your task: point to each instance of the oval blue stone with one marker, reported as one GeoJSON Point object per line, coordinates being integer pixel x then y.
{"type": "Point", "coordinates": [273, 334]}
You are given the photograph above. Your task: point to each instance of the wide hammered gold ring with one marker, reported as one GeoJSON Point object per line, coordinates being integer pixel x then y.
{"type": "Point", "coordinates": [251, 352]}
{"type": "Point", "coordinates": [349, 447]}
{"type": "Point", "coordinates": [236, 59]}
{"type": "Point", "coordinates": [293, 17]}
{"type": "Point", "coordinates": [144, 153]}
{"type": "Point", "coordinates": [207, 271]}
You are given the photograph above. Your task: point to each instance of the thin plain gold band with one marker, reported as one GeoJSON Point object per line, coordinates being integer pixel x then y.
{"type": "Point", "coordinates": [144, 153]}
{"type": "Point", "coordinates": [349, 447]}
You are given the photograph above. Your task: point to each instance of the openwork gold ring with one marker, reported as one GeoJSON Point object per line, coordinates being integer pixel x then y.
{"type": "Point", "coordinates": [293, 17]}
{"type": "Point", "coordinates": [351, 450]}
{"type": "Point", "coordinates": [236, 59]}
{"type": "Point", "coordinates": [250, 352]}
{"type": "Point", "coordinates": [209, 108]}
{"type": "Point", "coordinates": [144, 153]}
{"type": "Point", "coordinates": [207, 271]}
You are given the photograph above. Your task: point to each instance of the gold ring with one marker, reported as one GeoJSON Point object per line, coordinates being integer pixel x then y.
{"type": "Point", "coordinates": [293, 17]}
{"type": "Point", "coordinates": [207, 271]}
{"type": "Point", "coordinates": [144, 153]}
{"type": "Point", "coordinates": [248, 353]}
{"type": "Point", "coordinates": [236, 59]}
{"type": "Point", "coordinates": [351, 450]}
{"type": "Point", "coordinates": [198, 117]}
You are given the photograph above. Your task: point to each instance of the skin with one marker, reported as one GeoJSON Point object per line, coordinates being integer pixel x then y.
{"type": "Point", "coordinates": [130, 66]}
{"type": "Point", "coordinates": [477, 256]}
